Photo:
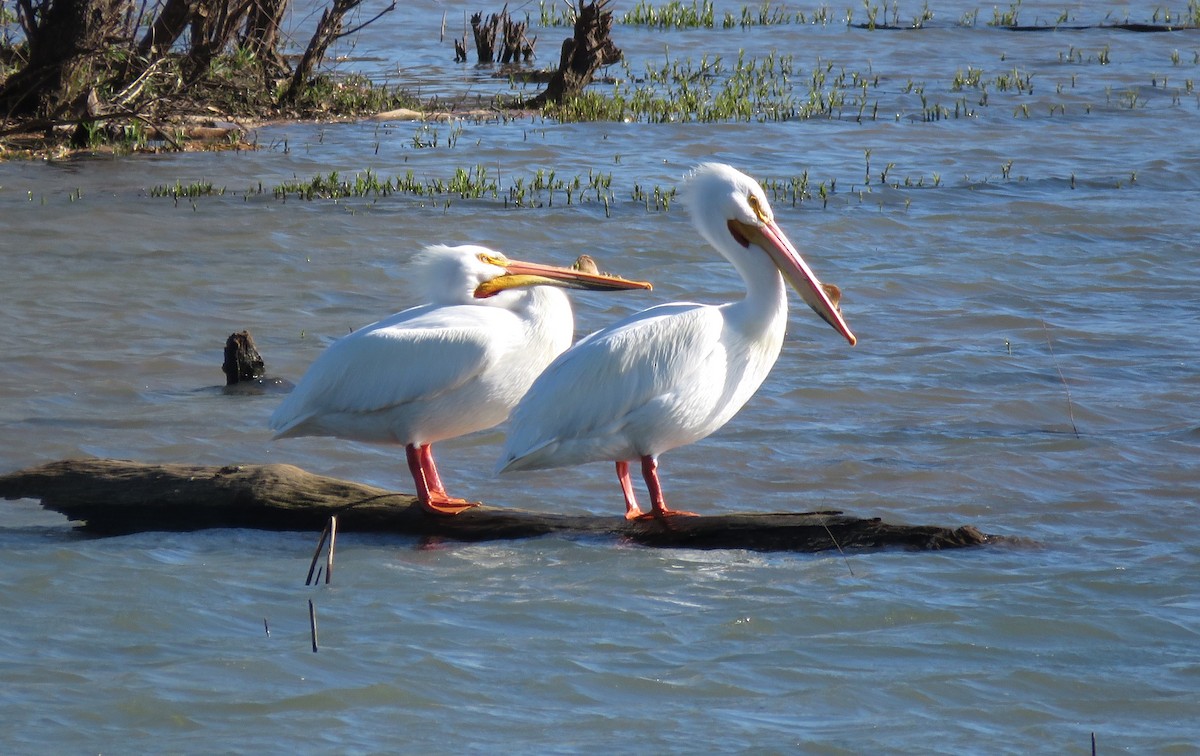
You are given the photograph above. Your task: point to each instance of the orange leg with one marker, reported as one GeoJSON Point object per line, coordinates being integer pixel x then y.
{"type": "Point", "coordinates": [632, 512]}
{"type": "Point", "coordinates": [657, 503]}
{"type": "Point", "coordinates": [430, 491]}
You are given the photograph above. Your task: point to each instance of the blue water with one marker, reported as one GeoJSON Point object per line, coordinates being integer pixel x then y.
{"type": "Point", "coordinates": [1024, 292]}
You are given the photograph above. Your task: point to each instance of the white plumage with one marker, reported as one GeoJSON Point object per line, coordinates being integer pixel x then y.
{"type": "Point", "coordinates": [443, 369]}
{"type": "Point", "coordinates": [672, 374]}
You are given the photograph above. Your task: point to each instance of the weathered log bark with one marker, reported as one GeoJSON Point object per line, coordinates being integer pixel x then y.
{"type": "Point", "coordinates": [116, 496]}
{"type": "Point", "coordinates": [514, 45]}
{"type": "Point", "coordinates": [485, 36]}
{"type": "Point", "coordinates": [171, 22]}
{"type": "Point", "coordinates": [261, 37]}
{"type": "Point", "coordinates": [589, 48]}
{"type": "Point", "coordinates": [214, 26]}
{"type": "Point", "coordinates": [329, 29]}
{"type": "Point", "coordinates": [64, 39]}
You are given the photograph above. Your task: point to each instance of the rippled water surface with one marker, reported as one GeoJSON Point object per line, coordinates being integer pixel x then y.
{"type": "Point", "coordinates": [1023, 280]}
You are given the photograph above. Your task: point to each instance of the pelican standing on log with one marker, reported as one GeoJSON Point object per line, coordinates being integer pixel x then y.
{"type": "Point", "coordinates": [673, 374]}
{"type": "Point", "coordinates": [444, 369]}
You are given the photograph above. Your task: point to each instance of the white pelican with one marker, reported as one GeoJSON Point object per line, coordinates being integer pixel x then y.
{"type": "Point", "coordinates": [443, 369]}
{"type": "Point", "coordinates": [672, 374]}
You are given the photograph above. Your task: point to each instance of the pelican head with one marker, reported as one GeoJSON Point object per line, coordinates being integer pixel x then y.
{"type": "Point", "coordinates": [731, 211]}
{"type": "Point", "coordinates": [471, 274]}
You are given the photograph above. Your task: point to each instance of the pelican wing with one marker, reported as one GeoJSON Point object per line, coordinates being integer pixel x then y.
{"type": "Point", "coordinates": [653, 375]}
{"type": "Point", "coordinates": [411, 357]}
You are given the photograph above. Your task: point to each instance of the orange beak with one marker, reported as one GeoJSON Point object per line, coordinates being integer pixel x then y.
{"type": "Point", "coordinates": [771, 239]}
{"type": "Point", "coordinates": [519, 274]}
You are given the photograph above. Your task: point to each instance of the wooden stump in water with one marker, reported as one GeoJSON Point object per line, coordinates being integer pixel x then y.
{"type": "Point", "coordinates": [589, 48]}
{"type": "Point", "coordinates": [242, 360]}
{"type": "Point", "coordinates": [116, 497]}
{"type": "Point", "coordinates": [245, 370]}
{"type": "Point", "coordinates": [514, 45]}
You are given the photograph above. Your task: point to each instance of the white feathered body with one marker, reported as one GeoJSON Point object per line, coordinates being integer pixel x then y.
{"type": "Point", "coordinates": [665, 377]}
{"type": "Point", "coordinates": [431, 372]}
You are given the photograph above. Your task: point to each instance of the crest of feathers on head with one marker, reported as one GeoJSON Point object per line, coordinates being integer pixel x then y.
{"type": "Point", "coordinates": [446, 275]}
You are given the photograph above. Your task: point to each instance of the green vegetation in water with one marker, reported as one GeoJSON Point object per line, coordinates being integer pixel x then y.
{"type": "Point", "coordinates": [675, 14]}
{"type": "Point", "coordinates": [353, 95]}
{"type": "Point", "coordinates": [542, 188]}
{"type": "Point", "coordinates": [671, 15]}
{"type": "Point", "coordinates": [749, 89]}
{"type": "Point", "coordinates": [188, 191]}
{"type": "Point", "coordinates": [1006, 17]}
{"type": "Point", "coordinates": [546, 187]}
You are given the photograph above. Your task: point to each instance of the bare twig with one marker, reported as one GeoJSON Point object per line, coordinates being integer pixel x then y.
{"type": "Point", "coordinates": [312, 623]}
{"type": "Point", "coordinates": [368, 22]}
{"type": "Point", "coordinates": [332, 538]}
{"type": "Point", "coordinates": [328, 29]}
{"type": "Point", "coordinates": [316, 555]}
{"type": "Point", "coordinates": [1066, 388]}
{"type": "Point", "coordinates": [839, 548]}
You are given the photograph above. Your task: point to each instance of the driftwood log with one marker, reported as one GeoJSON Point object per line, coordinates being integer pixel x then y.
{"type": "Point", "coordinates": [111, 497]}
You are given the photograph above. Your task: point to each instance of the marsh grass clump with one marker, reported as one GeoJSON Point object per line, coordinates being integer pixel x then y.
{"type": "Point", "coordinates": [676, 14]}
{"type": "Point", "coordinates": [552, 14]}
{"type": "Point", "coordinates": [656, 200]}
{"type": "Point", "coordinates": [187, 191]}
{"type": "Point", "coordinates": [352, 95]}
{"type": "Point", "coordinates": [542, 187]}
{"type": "Point", "coordinates": [749, 89]}
{"type": "Point", "coordinates": [1006, 17]}
{"type": "Point", "coordinates": [672, 15]}
{"type": "Point", "coordinates": [465, 183]}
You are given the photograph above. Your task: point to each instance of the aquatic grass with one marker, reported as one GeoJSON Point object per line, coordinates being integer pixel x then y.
{"type": "Point", "coordinates": [542, 188]}
{"type": "Point", "coordinates": [657, 199]}
{"type": "Point", "coordinates": [969, 79]}
{"type": "Point", "coordinates": [354, 94]}
{"type": "Point", "coordinates": [193, 189]}
{"type": "Point", "coordinates": [671, 15]}
{"type": "Point", "coordinates": [1007, 17]}
{"type": "Point", "coordinates": [770, 14]}
{"type": "Point", "coordinates": [551, 14]}
{"type": "Point", "coordinates": [748, 89]}
{"type": "Point", "coordinates": [465, 183]}
{"type": "Point", "coordinates": [675, 14]}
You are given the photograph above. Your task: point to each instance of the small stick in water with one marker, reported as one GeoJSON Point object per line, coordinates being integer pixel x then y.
{"type": "Point", "coordinates": [839, 548]}
{"type": "Point", "coordinates": [316, 554]}
{"type": "Point", "coordinates": [329, 558]}
{"type": "Point", "coordinates": [312, 623]}
{"type": "Point", "coordinates": [1066, 388]}
{"type": "Point", "coordinates": [266, 627]}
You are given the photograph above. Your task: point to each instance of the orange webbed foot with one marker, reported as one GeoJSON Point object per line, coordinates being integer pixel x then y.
{"type": "Point", "coordinates": [446, 506]}
{"type": "Point", "coordinates": [659, 514]}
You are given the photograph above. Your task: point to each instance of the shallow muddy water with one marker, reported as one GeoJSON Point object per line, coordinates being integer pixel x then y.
{"type": "Point", "coordinates": [1023, 281]}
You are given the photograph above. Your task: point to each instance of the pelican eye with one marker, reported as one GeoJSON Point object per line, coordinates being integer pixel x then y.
{"type": "Point", "coordinates": [496, 260]}
{"type": "Point", "coordinates": [761, 211]}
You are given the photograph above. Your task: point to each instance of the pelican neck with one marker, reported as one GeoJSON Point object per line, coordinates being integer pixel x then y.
{"type": "Point", "coordinates": [765, 302]}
